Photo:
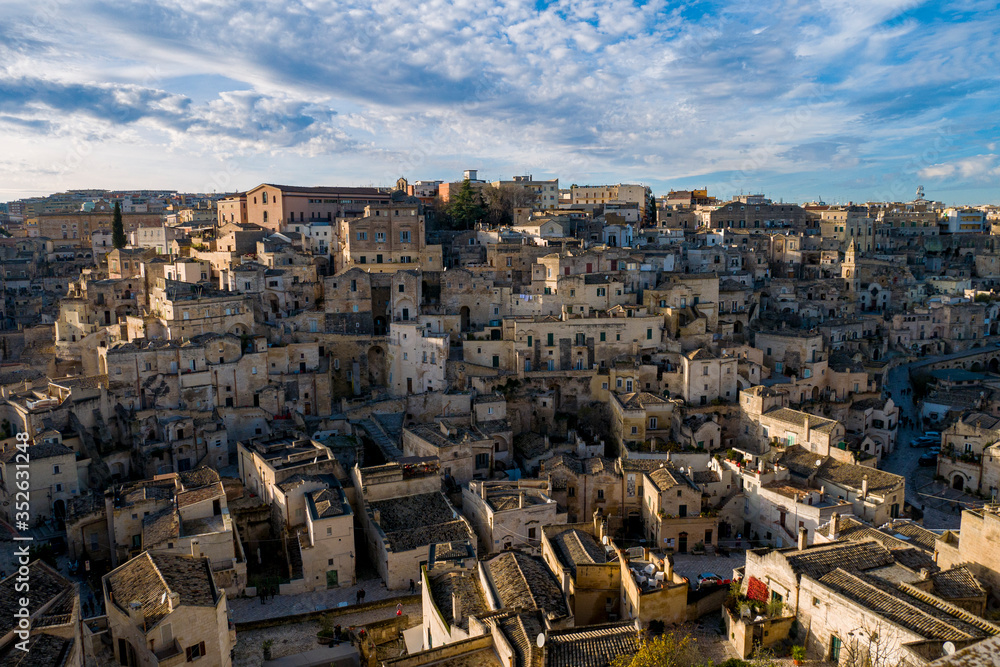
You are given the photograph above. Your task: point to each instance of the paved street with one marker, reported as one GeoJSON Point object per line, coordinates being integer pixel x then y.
{"type": "Point", "coordinates": [922, 491]}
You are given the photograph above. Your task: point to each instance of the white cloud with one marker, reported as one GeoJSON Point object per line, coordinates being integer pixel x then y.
{"type": "Point", "coordinates": [637, 91]}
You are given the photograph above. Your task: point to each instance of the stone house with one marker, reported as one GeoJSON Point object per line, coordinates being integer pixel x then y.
{"type": "Point", "coordinates": [509, 514]}
{"type": "Point", "coordinates": [162, 607]}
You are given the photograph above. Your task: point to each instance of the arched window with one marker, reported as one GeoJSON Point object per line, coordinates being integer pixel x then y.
{"type": "Point", "coordinates": [263, 197]}
{"type": "Point", "coordinates": [265, 217]}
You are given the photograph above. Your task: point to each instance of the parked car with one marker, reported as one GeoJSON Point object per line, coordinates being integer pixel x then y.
{"type": "Point", "coordinates": [933, 434]}
{"type": "Point", "coordinates": [709, 579]}
{"type": "Point", "coordinates": [923, 443]}
{"type": "Point", "coordinates": [927, 460]}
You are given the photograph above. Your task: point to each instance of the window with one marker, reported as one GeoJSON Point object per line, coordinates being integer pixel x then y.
{"type": "Point", "coordinates": [551, 339]}
{"type": "Point", "coordinates": [652, 422]}
{"type": "Point", "coordinates": [482, 461]}
{"type": "Point", "coordinates": [532, 532]}
{"type": "Point", "coordinates": [379, 237]}
{"type": "Point", "coordinates": [600, 494]}
{"type": "Point", "coordinates": [649, 334]}
{"type": "Point", "coordinates": [55, 470]}
{"type": "Point", "coordinates": [530, 341]}
{"type": "Point", "coordinates": [195, 652]}
{"type": "Point", "coordinates": [635, 430]}
{"type": "Point", "coordinates": [604, 336]}
{"type": "Point", "coordinates": [404, 237]}
{"type": "Point", "coordinates": [571, 491]}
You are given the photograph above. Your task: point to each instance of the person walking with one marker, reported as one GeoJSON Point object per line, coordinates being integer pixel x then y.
{"type": "Point", "coordinates": [413, 587]}
{"type": "Point", "coordinates": [357, 597]}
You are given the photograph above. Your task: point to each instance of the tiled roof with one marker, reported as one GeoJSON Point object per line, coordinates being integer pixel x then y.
{"type": "Point", "coordinates": [44, 650]}
{"type": "Point", "coordinates": [203, 476]}
{"type": "Point", "coordinates": [523, 582]}
{"type": "Point", "coordinates": [816, 561]}
{"type": "Point", "coordinates": [663, 478]}
{"type": "Point", "coordinates": [521, 629]}
{"type": "Point", "coordinates": [160, 527]}
{"type": "Point", "coordinates": [956, 584]}
{"type": "Point", "coordinates": [639, 400]}
{"type": "Point", "coordinates": [470, 593]}
{"type": "Point", "coordinates": [590, 646]}
{"type": "Point", "coordinates": [185, 498]}
{"type": "Point", "coordinates": [922, 615]}
{"type": "Point", "coordinates": [797, 418]}
{"type": "Point", "coordinates": [410, 522]}
{"type": "Point", "coordinates": [150, 578]}
{"type": "Point", "coordinates": [981, 420]}
{"type": "Point", "coordinates": [46, 586]}
{"type": "Point", "coordinates": [328, 503]}
{"type": "Point", "coordinates": [575, 546]}
{"type": "Point", "coordinates": [802, 462]}
{"type": "Point", "coordinates": [41, 450]}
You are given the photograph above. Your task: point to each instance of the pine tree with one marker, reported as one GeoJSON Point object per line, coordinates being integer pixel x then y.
{"type": "Point", "coordinates": [118, 228]}
{"type": "Point", "coordinates": [466, 207]}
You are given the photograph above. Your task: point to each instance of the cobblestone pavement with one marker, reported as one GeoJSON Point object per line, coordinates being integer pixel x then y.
{"type": "Point", "coordinates": [249, 609]}
{"type": "Point", "coordinates": [300, 637]}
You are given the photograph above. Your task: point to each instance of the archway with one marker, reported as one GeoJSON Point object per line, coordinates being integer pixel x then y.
{"type": "Point", "coordinates": [380, 326]}
{"type": "Point", "coordinates": [464, 317]}
{"type": "Point", "coordinates": [958, 483]}
{"type": "Point", "coordinates": [994, 365]}
{"type": "Point", "coordinates": [376, 366]}
{"type": "Point", "coordinates": [59, 510]}
{"type": "Point", "coordinates": [815, 393]}
{"type": "Point", "coordinates": [976, 367]}
{"type": "Point", "coordinates": [737, 327]}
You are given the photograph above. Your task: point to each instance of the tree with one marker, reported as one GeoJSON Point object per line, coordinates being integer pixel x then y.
{"type": "Point", "coordinates": [500, 202]}
{"type": "Point", "coordinates": [466, 208]}
{"type": "Point", "coordinates": [667, 650]}
{"type": "Point", "coordinates": [872, 645]}
{"type": "Point", "coordinates": [118, 228]}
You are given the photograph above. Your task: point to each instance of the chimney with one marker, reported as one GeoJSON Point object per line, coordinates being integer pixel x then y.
{"type": "Point", "coordinates": [805, 439]}
{"type": "Point", "coordinates": [925, 574]}
{"type": "Point", "coordinates": [835, 526]}
{"type": "Point", "coordinates": [136, 615]}
{"type": "Point", "coordinates": [668, 570]}
{"type": "Point", "coordinates": [173, 600]}
{"type": "Point", "coordinates": [482, 490]}
{"type": "Point", "coordinates": [520, 499]}
{"type": "Point", "coordinates": [456, 608]}
{"type": "Point", "coordinates": [195, 549]}
{"type": "Point", "coordinates": [864, 487]}
{"type": "Point", "coordinates": [645, 554]}
{"type": "Point", "coordinates": [803, 536]}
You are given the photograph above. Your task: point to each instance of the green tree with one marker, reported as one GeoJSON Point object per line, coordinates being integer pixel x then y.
{"type": "Point", "coordinates": [118, 228]}
{"type": "Point", "coordinates": [466, 208]}
{"type": "Point", "coordinates": [667, 650]}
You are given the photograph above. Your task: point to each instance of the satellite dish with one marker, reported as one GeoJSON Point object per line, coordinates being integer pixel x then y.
{"type": "Point", "coordinates": [948, 648]}
{"type": "Point", "coordinates": [604, 540]}
{"type": "Point", "coordinates": [540, 640]}
{"type": "Point", "coordinates": [819, 462]}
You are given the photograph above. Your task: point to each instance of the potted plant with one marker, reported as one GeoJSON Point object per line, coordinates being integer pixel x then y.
{"type": "Point", "coordinates": [325, 634]}
{"type": "Point", "coordinates": [798, 654]}
{"type": "Point", "coordinates": [268, 643]}
{"type": "Point", "coordinates": [698, 549]}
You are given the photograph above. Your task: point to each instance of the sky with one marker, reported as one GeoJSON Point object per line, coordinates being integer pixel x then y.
{"type": "Point", "coordinates": [835, 100]}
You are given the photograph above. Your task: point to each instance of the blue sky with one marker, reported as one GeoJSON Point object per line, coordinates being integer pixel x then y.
{"type": "Point", "coordinates": [836, 99]}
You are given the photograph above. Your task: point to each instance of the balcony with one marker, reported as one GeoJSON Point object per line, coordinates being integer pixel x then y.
{"type": "Point", "coordinates": [168, 655]}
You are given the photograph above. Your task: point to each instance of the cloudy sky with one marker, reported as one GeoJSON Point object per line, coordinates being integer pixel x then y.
{"type": "Point", "coordinates": [838, 99]}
